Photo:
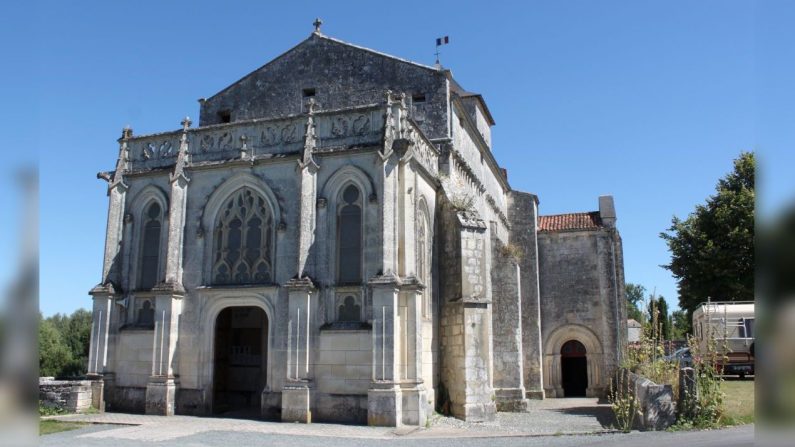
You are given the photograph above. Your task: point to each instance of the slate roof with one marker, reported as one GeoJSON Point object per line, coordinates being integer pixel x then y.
{"type": "Point", "coordinates": [570, 222]}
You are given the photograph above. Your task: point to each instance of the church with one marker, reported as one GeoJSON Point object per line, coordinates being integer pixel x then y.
{"type": "Point", "coordinates": [334, 240]}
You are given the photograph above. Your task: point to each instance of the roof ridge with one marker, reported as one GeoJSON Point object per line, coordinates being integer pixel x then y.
{"type": "Point", "coordinates": [568, 214]}
{"type": "Point", "coordinates": [380, 53]}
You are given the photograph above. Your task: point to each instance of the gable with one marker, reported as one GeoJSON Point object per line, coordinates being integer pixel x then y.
{"type": "Point", "coordinates": [337, 75]}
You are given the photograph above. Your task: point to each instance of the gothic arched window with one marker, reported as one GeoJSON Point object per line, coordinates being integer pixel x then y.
{"type": "Point", "coordinates": [349, 236]}
{"type": "Point", "coordinates": [243, 240]}
{"type": "Point", "coordinates": [423, 261]}
{"type": "Point", "coordinates": [150, 248]}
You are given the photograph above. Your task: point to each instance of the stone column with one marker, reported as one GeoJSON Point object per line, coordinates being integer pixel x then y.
{"type": "Point", "coordinates": [161, 389]}
{"type": "Point", "coordinates": [523, 215]}
{"type": "Point", "coordinates": [415, 402]}
{"type": "Point", "coordinates": [507, 326]}
{"type": "Point", "coordinates": [98, 348]}
{"type": "Point", "coordinates": [384, 400]}
{"type": "Point", "coordinates": [105, 293]}
{"type": "Point", "coordinates": [297, 390]}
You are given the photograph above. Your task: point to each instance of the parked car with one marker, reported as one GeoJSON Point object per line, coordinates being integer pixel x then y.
{"type": "Point", "coordinates": [681, 356]}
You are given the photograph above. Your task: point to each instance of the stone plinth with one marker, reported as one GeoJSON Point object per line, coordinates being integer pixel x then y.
{"type": "Point", "coordinates": [384, 404]}
{"type": "Point", "coordinates": [161, 395]}
{"type": "Point", "coordinates": [296, 402]}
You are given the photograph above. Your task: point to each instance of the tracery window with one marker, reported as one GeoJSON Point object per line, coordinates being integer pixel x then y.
{"type": "Point", "coordinates": [423, 262]}
{"type": "Point", "coordinates": [243, 240]}
{"type": "Point", "coordinates": [150, 248]}
{"type": "Point", "coordinates": [349, 236]}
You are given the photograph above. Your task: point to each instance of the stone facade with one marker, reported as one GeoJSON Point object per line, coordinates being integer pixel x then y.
{"type": "Point", "coordinates": [335, 241]}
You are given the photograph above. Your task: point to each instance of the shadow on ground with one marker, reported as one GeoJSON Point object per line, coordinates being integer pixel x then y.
{"type": "Point", "coordinates": [602, 414]}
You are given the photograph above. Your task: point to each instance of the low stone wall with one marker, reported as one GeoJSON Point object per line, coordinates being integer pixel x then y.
{"type": "Point", "coordinates": [73, 396]}
{"type": "Point", "coordinates": [657, 406]}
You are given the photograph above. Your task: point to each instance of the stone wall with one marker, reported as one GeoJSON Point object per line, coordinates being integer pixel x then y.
{"type": "Point", "coordinates": [73, 396]}
{"type": "Point", "coordinates": [581, 285]}
{"type": "Point", "coordinates": [656, 402]}
{"type": "Point", "coordinates": [340, 76]}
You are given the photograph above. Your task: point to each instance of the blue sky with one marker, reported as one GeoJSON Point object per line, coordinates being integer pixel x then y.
{"type": "Point", "coordinates": [648, 101]}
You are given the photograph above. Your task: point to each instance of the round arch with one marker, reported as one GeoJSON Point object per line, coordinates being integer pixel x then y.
{"type": "Point", "coordinates": [553, 378]}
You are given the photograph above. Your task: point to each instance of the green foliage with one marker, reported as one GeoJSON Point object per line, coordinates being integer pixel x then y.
{"type": "Point", "coordinates": [680, 325]}
{"type": "Point", "coordinates": [712, 251]}
{"type": "Point", "coordinates": [647, 357]}
{"type": "Point", "coordinates": [64, 343]}
{"type": "Point", "coordinates": [634, 294]}
{"type": "Point", "coordinates": [662, 319]}
{"type": "Point", "coordinates": [704, 408]}
{"type": "Point", "coordinates": [624, 404]}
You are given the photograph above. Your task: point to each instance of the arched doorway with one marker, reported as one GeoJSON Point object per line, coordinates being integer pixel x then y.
{"type": "Point", "coordinates": [574, 369]}
{"type": "Point", "coordinates": [240, 360]}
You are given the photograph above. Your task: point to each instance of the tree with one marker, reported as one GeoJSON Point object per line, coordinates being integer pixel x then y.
{"type": "Point", "coordinates": [634, 294]}
{"type": "Point", "coordinates": [64, 343]}
{"type": "Point", "coordinates": [660, 306]}
{"type": "Point", "coordinates": [680, 325]}
{"type": "Point", "coordinates": [53, 352]}
{"type": "Point", "coordinates": [712, 251]}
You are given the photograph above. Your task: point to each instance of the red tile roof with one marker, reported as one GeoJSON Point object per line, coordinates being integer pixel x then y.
{"type": "Point", "coordinates": [570, 222]}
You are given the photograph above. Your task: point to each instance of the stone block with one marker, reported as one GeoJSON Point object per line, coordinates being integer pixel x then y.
{"type": "Point", "coordinates": [161, 394]}
{"type": "Point", "coordinates": [384, 405]}
{"type": "Point", "coordinates": [296, 403]}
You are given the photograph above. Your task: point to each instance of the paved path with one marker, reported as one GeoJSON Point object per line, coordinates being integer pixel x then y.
{"type": "Point", "coordinates": [737, 436]}
{"type": "Point", "coordinates": [547, 417]}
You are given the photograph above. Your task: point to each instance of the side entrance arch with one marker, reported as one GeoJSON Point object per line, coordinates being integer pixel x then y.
{"type": "Point", "coordinates": [240, 354]}
{"type": "Point", "coordinates": [573, 362]}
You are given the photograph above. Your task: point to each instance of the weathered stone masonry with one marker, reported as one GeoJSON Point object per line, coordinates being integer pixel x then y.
{"type": "Point", "coordinates": [335, 241]}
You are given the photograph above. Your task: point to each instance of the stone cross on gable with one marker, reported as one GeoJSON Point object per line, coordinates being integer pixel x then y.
{"type": "Point", "coordinates": [317, 24]}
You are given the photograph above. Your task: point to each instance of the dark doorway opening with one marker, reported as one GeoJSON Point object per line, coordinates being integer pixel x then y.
{"type": "Point", "coordinates": [240, 361]}
{"type": "Point", "coordinates": [574, 369]}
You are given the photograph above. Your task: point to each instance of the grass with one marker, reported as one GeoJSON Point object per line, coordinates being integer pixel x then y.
{"type": "Point", "coordinates": [739, 401]}
{"type": "Point", "coordinates": [47, 427]}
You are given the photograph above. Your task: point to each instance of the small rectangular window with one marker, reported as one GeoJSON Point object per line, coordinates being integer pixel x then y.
{"type": "Point", "coordinates": [418, 98]}
{"type": "Point", "coordinates": [225, 116]}
{"type": "Point", "coordinates": [748, 326]}
{"type": "Point", "coordinates": [309, 92]}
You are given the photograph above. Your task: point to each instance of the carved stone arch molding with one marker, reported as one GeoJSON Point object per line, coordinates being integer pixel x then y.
{"type": "Point", "coordinates": [218, 199]}
{"type": "Point", "coordinates": [131, 249]}
{"type": "Point", "coordinates": [553, 385]}
{"type": "Point", "coordinates": [212, 303]}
